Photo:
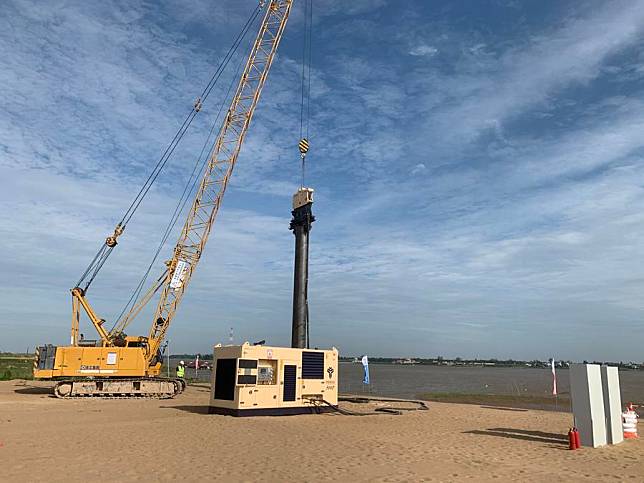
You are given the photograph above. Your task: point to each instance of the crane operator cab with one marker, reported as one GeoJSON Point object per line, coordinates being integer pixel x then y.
{"type": "Point", "coordinates": [253, 380]}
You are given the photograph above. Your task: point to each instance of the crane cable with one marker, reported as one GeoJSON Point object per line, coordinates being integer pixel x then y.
{"type": "Point", "coordinates": [188, 189]}
{"type": "Point", "coordinates": [305, 105]}
{"type": "Point", "coordinates": [106, 249]}
{"type": "Point", "coordinates": [305, 115]}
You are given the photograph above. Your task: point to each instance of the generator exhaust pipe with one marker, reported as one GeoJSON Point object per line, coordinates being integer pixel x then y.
{"type": "Point", "coordinates": [301, 226]}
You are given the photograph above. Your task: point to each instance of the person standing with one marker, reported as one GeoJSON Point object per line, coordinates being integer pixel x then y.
{"type": "Point", "coordinates": [181, 370]}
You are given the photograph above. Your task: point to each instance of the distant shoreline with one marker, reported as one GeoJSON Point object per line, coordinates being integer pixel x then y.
{"type": "Point", "coordinates": [561, 365]}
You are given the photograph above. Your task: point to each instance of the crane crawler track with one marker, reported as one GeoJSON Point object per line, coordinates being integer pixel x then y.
{"type": "Point", "coordinates": [119, 388]}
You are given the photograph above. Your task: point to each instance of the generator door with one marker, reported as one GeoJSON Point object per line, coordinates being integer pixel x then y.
{"type": "Point", "coordinates": [225, 379]}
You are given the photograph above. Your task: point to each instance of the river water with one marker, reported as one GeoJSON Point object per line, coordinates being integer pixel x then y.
{"type": "Point", "coordinates": [409, 381]}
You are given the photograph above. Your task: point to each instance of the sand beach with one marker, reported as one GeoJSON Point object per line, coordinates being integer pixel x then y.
{"type": "Point", "coordinates": [47, 439]}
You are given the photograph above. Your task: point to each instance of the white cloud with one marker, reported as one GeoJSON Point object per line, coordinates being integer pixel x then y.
{"type": "Point", "coordinates": [419, 168]}
{"type": "Point", "coordinates": [423, 50]}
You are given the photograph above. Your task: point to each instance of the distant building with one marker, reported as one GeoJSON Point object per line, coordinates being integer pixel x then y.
{"type": "Point", "coordinates": [405, 361]}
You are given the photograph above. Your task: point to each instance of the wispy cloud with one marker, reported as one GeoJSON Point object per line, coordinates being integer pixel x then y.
{"type": "Point", "coordinates": [571, 54]}
{"type": "Point", "coordinates": [473, 202]}
{"type": "Point", "coordinates": [423, 50]}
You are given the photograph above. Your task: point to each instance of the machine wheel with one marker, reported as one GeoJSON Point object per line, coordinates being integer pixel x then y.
{"type": "Point", "coordinates": [63, 389]}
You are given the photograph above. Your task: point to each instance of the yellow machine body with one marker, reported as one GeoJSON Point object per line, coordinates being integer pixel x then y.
{"type": "Point", "coordinates": [250, 380]}
{"type": "Point", "coordinates": [96, 362]}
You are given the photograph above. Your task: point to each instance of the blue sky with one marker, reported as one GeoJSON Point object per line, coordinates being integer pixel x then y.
{"type": "Point", "coordinates": [477, 166]}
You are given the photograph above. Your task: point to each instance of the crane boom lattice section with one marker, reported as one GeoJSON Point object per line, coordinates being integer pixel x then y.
{"type": "Point", "coordinates": [218, 170]}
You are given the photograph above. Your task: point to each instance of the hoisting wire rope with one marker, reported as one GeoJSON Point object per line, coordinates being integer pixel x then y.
{"type": "Point", "coordinates": [106, 249]}
{"type": "Point", "coordinates": [305, 115]}
{"type": "Point", "coordinates": [305, 105]}
{"type": "Point", "coordinates": [188, 189]}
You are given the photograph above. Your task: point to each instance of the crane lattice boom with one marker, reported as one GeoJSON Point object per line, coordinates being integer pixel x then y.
{"type": "Point", "coordinates": [201, 217]}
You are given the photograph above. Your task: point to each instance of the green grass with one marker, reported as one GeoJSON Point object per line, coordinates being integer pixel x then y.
{"type": "Point", "coordinates": [15, 367]}
{"type": "Point", "coordinates": [501, 400]}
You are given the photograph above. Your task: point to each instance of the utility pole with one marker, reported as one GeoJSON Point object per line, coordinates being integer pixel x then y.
{"type": "Point", "coordinates": [301, 226]}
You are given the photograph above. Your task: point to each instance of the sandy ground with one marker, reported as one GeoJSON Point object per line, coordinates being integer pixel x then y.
{"type": "Point", "coordinates": [43, 438]}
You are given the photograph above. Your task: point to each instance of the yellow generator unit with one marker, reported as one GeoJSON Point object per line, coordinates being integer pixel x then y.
{"type": "Point", "coordinates": [249, 380]}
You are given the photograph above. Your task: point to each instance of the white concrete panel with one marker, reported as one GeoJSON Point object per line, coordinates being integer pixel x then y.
{"type": "Point", "coordinates": [612, 405]}
{"type": "Point", "coordinates": [588, 403]}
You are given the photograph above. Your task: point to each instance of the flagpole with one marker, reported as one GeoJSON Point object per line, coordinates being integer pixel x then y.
{"type": "Point", "coordinates": [555, 393]}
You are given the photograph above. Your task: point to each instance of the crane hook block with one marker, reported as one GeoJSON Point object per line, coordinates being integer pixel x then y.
{"type": "Point", "coordinates": [304, 146]}
{"type": "Point", "coordinates": [110, 241]}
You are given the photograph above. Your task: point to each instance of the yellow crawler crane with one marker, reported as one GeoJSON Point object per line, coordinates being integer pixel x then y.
{"type": "Point", "coordinates": [118, 365]}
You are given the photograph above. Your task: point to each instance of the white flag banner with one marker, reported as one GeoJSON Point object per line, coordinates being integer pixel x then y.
{"type": "Point", "coordinates": [179, 273]}
{"type": "Point", "coordinates": [365, 366]}
{"type": "Point", "coordinates": [554, 378]}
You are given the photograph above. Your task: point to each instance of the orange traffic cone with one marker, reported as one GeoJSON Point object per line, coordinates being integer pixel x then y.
{"type": "Point", "coordinates": [629, 422]}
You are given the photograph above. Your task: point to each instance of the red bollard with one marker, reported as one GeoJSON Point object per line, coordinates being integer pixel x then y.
{"type": "Point", "coordinates": [572, 443]}
{"type": "Point", "coordinates": [577, 438]}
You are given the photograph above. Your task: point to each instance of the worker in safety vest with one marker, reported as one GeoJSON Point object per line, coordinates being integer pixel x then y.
{"type": "Point", "coordinates": [181, 370]}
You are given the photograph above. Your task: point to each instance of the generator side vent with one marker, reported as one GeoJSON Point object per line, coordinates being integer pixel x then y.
{"type": "Point", "coordinates": [244, 379]}
{"type": "Point", "coordinates": [248, 363]}
{"type": "Point", "coordinates": [290, 381]}
{"type": "Point", "coordinates": [312, 365]}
